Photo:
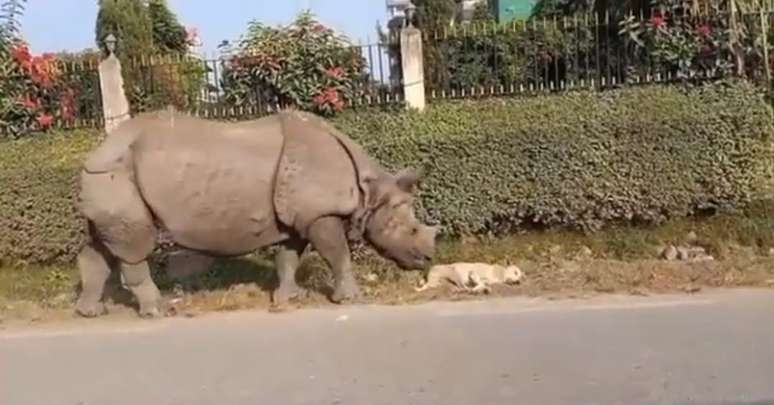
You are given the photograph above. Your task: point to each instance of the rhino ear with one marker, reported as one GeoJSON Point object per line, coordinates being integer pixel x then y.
{"type": "Point", "coordinates": [408, 179]}
{"type": "Point", "coordinates": [376, 192]}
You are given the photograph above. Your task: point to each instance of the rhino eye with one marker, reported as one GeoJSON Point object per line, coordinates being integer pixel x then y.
{"type": "Point", "coordinates": [414, 231]}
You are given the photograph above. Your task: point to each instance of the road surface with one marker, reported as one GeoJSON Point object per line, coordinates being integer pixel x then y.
{"type": "Point", "coordinates": [710, 348]}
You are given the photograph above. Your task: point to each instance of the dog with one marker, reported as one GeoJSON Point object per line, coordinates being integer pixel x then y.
{"type": "Point", "coordinates": [471, 277]}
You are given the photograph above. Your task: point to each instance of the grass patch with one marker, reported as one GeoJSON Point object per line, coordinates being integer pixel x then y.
{"type": "Point", "coordinates": [619, 259]}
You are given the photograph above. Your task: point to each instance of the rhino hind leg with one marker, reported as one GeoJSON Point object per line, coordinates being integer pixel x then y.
{"type": "Point", "coordinates": [121, 222]}
{"type": "Point", "coordinates": [328, 236]}
{"type": "Point", "coordinates": [287, 261]}
{"type": "Point", "coordinates": [94, 271]}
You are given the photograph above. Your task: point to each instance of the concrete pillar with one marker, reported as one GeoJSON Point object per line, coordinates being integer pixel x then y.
{"type": "Point", "coordinates": [413, 67]}
{"type": "Point", "coordinates": [115, 106]}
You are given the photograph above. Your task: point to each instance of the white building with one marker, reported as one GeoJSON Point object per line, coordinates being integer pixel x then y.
{"type": "Point", "coordinates": [465, 9]}
{"type": "Point", "coordinates": [397, 8]}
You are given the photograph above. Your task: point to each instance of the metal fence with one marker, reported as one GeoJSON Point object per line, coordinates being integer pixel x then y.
{"type": "Point", "coordinates": [552, 54]}
{"type": "Point", "coordinates": [232, 87]}
{"type": "Point", "coordinates": [594, 51]}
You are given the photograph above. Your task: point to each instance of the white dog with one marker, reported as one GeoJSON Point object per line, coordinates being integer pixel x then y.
{"type": "Point", "coordinates": [472, 277]}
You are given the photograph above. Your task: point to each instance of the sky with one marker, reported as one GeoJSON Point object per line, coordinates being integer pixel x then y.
{"type": "Point", "coordinates": [68, 25]}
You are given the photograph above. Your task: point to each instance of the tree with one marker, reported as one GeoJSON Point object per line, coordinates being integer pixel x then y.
{"type": "Point", "coordinates": [129, 22]}
{"type": "Point", "coordinates": [10, 12]}
{"type": "Point", "coordinates": [431, 15]}
{"type": "Point", "coordinates": [169, 36]}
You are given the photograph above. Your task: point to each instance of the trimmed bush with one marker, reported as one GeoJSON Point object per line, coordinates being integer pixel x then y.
{"type": "Point", "coordinates": [578, 160]}
{"type": "Point", "coordinates": [38, 183]}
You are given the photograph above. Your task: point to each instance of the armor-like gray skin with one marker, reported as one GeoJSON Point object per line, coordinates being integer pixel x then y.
{"type": "Point", "coordinates": [227, 189]}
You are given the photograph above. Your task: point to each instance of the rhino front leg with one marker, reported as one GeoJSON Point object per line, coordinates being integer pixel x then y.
{"type": "Point", "coordinates": [287, 260]}
{"type": "Point", "coordinates": [329, 238]}
{"type": "Point", "coordinates": [138, 279]}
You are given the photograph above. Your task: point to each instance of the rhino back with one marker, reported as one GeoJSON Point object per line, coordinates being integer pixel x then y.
{"type": "Point", "coordinates": [210, 184]}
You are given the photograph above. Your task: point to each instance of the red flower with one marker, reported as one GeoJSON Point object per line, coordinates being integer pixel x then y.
{"type": "Point", "coordinates": [704, 30]}
{"type": "Point", "coordinates": [329, 96]}
{"type": "Point", "coordinates": [192, 36]}
{"type": "Point", "coordinates": [335, 72]}
{"type": "Point", "coordinates": [657, 20]}
{"type": "Point", "coordinates": [317, 27]}
{"type": "Point", "coordinates": [45, 120]}
{"type": "Point", "coordinates": [21, 54]}
{"type": "Point", "coordinates": [29, 102]}
{"type": "Point", "coordinates": [43, 70]}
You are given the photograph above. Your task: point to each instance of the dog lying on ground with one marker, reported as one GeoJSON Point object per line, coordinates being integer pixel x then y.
{"type": "Point", "coordinates": [471, 277]}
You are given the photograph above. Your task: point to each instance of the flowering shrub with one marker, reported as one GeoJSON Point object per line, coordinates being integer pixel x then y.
{"type": "Point", "coordinates": [304, 64]}
{"type": "Point", "coordinates": [29, 91]}
{"type": "Point", "coordinates": [676, 42]}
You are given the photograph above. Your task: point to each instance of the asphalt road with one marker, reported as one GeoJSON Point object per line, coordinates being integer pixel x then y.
{"type": "Point", "coordinates": [711, 348]}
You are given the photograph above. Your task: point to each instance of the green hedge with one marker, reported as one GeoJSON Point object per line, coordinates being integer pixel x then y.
{"type": "Point", "coordinates": [580, 160]}
{"type": "Point", "coordinates": [38, 220]}
{"type": "Point", "coordinates": [577, 160]}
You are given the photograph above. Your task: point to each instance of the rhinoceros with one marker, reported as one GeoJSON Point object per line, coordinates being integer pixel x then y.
{"type": "Point", "coordinates": [226, 189]}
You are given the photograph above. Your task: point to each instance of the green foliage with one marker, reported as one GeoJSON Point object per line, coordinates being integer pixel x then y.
{"type": "Point", "coordinates": [529, 54]}
{"type": "Point", "coordinates": [153, 48]}
{"type": "Point", "coordinates": [39, 91]}
{"type": "Point", "coordinates": [10, 13]}
{"type": "Point", "coordinates": [169, 36]}
{"type": "Point", "coordinates": [677, 43]}
{"type": "Point", "coordinates": [434, 14]}
{"type": "Point", "coordinates": [579, 160]}
{"type": "Point", "coordinates": [129, 22]}
{"type": "Point", "coordinates": [304, 64]}
{"type": "Point", "coordinates": [39, 220]}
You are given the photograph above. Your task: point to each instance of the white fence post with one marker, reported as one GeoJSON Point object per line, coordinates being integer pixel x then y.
{"type": "Point", "coordinates": [115, 106]}
{"type": "Point", "coordinates": [412, 63]}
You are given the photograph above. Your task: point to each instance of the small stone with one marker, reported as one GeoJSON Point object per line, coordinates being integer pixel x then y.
{"type": "Point", "coordinates": [669, 253]}
{"type": "Point", "coordinates": [683, 254]}
{"type": "Point", "coordinates": [703, 258]}
{"type": "Point", "coordinates": [771, 252]}
{"type": "Point", "coordinates": [693, 289]}
{"type": "Point", "coordinates": [639, 292]}
{"type": "Point", "coordinates": [585, 252]}
{"type": "Point", "coordinates": [372, 277]}
{"type": "Point", "coordinates": [691, 238]}
{"type": "Point", "coordinates": [469, 240]}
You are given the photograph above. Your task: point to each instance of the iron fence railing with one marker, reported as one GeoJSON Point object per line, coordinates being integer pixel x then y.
{"type": "Point", "coordinates": [230, 86]}
{"type": "Point", "coordinates": [595, 51]}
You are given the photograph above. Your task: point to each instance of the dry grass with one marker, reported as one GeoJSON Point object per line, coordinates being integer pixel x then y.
{"type": "Point", "coordinates": [558, 264]}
